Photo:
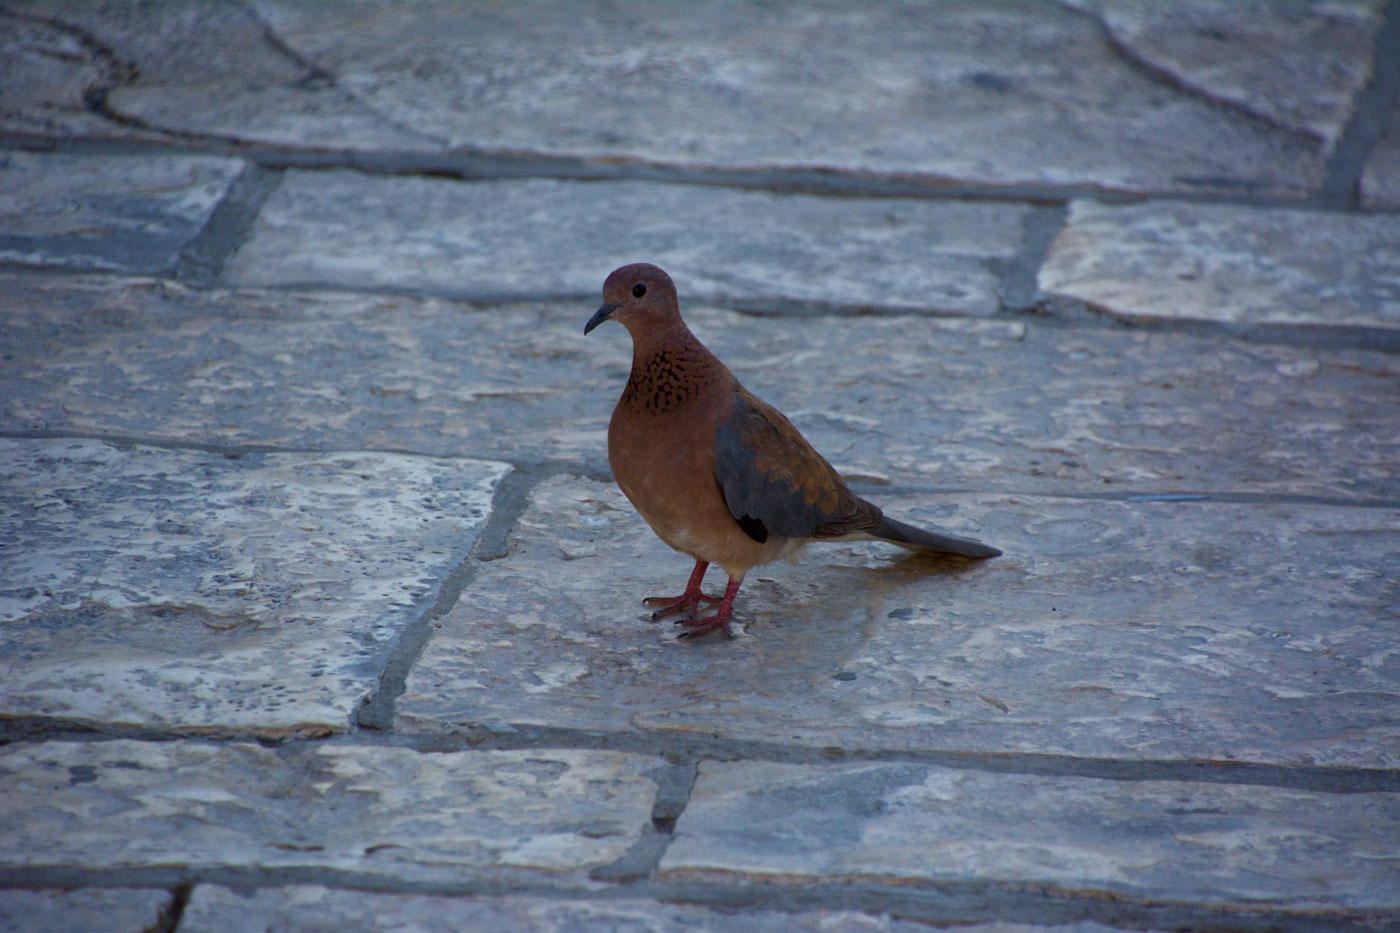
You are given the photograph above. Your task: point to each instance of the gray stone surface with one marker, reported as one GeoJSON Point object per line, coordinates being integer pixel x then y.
{"type": "Point", "coordinates": [1290, 63]}
{"type": "Point", "coordinates": [215, 909]}
{"type": "Point", "coordinates": [541, 237]}
{"type": "Point", "coordinates": [903, 88]}
{"type": "Point", "coordinates": [118, 910]}
{"type": "Point", "coordinates": [1227, 263]}
{"type": "Point", "coordinates": [896, 400]}
{"type": "Point", "coordinates": [1154, 630]}
{"type": "Point", "coordinates": [190, 590]}
{"type": "Point", "coordinates": [115, 71]}
{"type": "Point", "coordinates": [1380, 180]}
{"type": "Point", "coordinates": [106, 211]}
{"type": "Point", "coordinates": [999, 93]}
{"type": "Point", "coordinates": [1156, 840]}
{"type": "Point", "coordinates": [385, 811]}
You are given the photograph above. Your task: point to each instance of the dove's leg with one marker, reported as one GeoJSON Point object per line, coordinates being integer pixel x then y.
{"type": "Point", "coordinates": [688, 602]}
{"type": "Point", "coordinates": [720, 620]}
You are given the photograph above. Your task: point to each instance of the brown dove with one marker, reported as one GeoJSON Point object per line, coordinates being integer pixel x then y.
{"type": "Point", "coordinates": [717, 473]}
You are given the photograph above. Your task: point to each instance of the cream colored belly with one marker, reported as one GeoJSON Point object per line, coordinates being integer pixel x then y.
{"type": "Point", "coordinates": [674, 490]}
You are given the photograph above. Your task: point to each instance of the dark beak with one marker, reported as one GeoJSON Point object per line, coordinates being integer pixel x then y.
{"type": "Point", "coordinates": [599, 316]}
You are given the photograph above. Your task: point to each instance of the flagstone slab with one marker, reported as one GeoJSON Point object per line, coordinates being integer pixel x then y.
{"type": "Point", "coordinates": [531, 238]}
{"type": "Point", "coordinates": [390, 812]}
{"type": "Point", "coordinates": [1006, 93]}
{"type": "Point", "coordinates": [898, 400]}
{"type": "Point", "coordinates": [1125, 630]}
{"type": "Point", "coordinates": [197, 591]}
{"type": "Point", "coordinates": [1293, 64]}
{"type": "Point", "coordinates": [217, 909]}
{"type": "Point", "coordinates": [120, 910]}
{"type": "Point", "coordinates": [124, 213]}
{"type": "Point", "coordinates": [1229, 264]}
{"type": "Point", "coordinates": [193, 67]}
{"type": "Point", "coordinates": [993, 93]}
{"type": "Point", "coordinates": [1160, 841]}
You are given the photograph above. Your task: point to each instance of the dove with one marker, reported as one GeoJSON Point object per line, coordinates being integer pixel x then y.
{"type": "Point", "coordinates": [717, 473]}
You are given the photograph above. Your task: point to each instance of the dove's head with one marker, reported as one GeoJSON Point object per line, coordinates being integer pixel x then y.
{"type": "Point", "coordinates": [640, 297]}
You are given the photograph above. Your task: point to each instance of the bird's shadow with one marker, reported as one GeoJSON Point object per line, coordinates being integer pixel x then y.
{"type": "Point", "coordinates": [928, 563]}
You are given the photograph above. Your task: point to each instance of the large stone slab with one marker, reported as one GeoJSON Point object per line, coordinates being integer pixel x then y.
{"type": "Point", "coordinates": [1229, 264]}
{"type": "Point", "coordinates": [392, 812]}
{"type": "Point", "coordinates": [994, 93]}
{"type": "Point", "coordinates": [192, 64]}
{"type": "Point", "coordinates": [1159, 841]}
{"type": "Point", "coordinates": [536, 238]}
{"type": "Point", "coordinates": [120, 910]}
{"type": "Point", "coordinates": [215, 909]}
{"type": "Point", "coordinates": [904, 400]}
{"type": "Point", "coordinates": [120, 212]}
{"type": "Point", "coordinates": [1298, 65]}
{"type": "Point", "coordinates": [1127, 630]}
{"type": "Point", "coordinates": [189, 590]}
{"type": "Point", "coordinates": [1005, 93]}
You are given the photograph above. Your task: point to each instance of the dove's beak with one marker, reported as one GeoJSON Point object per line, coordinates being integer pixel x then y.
{"type": "Point", "coordinates": [599, 316]}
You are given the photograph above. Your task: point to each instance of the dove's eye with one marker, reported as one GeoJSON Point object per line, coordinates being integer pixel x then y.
{"type": "Point", "coordinates": [638, 290]}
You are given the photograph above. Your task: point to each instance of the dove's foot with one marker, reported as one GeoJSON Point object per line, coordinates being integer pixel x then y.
{"type": "Point", "coordinates": [688, 602]}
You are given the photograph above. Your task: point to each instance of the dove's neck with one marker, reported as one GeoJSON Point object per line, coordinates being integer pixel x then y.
{"type": "Point", "coordinates": [671, 369]}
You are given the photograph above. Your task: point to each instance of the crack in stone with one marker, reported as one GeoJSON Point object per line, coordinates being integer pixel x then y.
{"type": "Point", "coordinates": [228, 226]}
{"type": "Point", "coordinates": [377, 711]}
{"type": "Point", "coordinates": [1341, 185]}
{"type": "Point", "coordinates": [922, 901]}
{"type": "Point", "coordinates": [1176, 82]}
{"type": "Point", "coordinates": [116, 72]}
{"type": "Point", "coordinates": [686, 750]}
{"type": "Point", "coordinates": [319, 77]}
{"type": "Point", "coordinates": [1019, 283]}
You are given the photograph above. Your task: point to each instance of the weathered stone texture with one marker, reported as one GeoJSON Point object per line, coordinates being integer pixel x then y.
{"type": "Point", "coordinates": [541, 237]}
{"type": "Point", "coordinates": [1229, 264]}
{"type": "Point", "coordinates": [383, 811]}
{"type": "Point", "coordinates": [1152, 630]}
{"type": "Point", "coordinates": [902, 400]}
{"type": "Point", "coordinates": [199, 591]}
{"type": "Point", "coordinates": [1157, 840]}
{"type": "Point", "coordinates": [106, 211]}
{"type": "Point", "coordinates": [1004, 93]}
{"type": "Point", "coordinates": [1294, 64]}
{"type": "Point", "coordinates": [218, 910]}
{"type": "Point", "coordinates": [118, 910]}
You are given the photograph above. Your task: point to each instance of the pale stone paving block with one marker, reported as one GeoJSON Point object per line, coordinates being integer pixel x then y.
{"type": "Point", "coordinates": [127, 213]}
{"type": "Point", "coordinates": [390, 812]}
{"type": "Point", "coordinates": [45, 70]}
{"type": "Point", "coordinates": [987, 93]}
{"type": "Point", "coordinates": [1154, 630]}
{"type": "Point", "coordinates": [215, 909]}
{"type": "Point", "coordinates": [1229, 264]}
{"type": "Point", "coordinates": [542, 237]}
{"type": "Point", "coordinates": [118, 910]}
{"type": "Point", "coordinates": [1162, 841]}
{"type": "Point", "coordinates": [996, 93]}
{"type": "Point", "coordinates": [192, 64]}
{"type": "Point", "coordinates": [1295, 64]}
{"type": "Point", "coordinates": [190, 590]}
{"type": "Point", "coordinates": [905, 400]}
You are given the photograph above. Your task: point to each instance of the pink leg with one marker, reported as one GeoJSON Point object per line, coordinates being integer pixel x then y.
{"type": "Point", "coordinates": [720, 620]}
{"type": "Point", "coordinates": [687, 602]}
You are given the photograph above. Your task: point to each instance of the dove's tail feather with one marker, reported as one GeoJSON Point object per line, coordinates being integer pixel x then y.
{"type": "Point", "coordinates": [896, 532]}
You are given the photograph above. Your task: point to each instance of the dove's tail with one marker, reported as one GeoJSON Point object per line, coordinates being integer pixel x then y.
{"type": "Point", "coordinates": [896, 532]}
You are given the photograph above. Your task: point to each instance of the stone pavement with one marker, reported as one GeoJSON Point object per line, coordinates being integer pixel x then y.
{"type": "Point", "coordinates": [321, 610]}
